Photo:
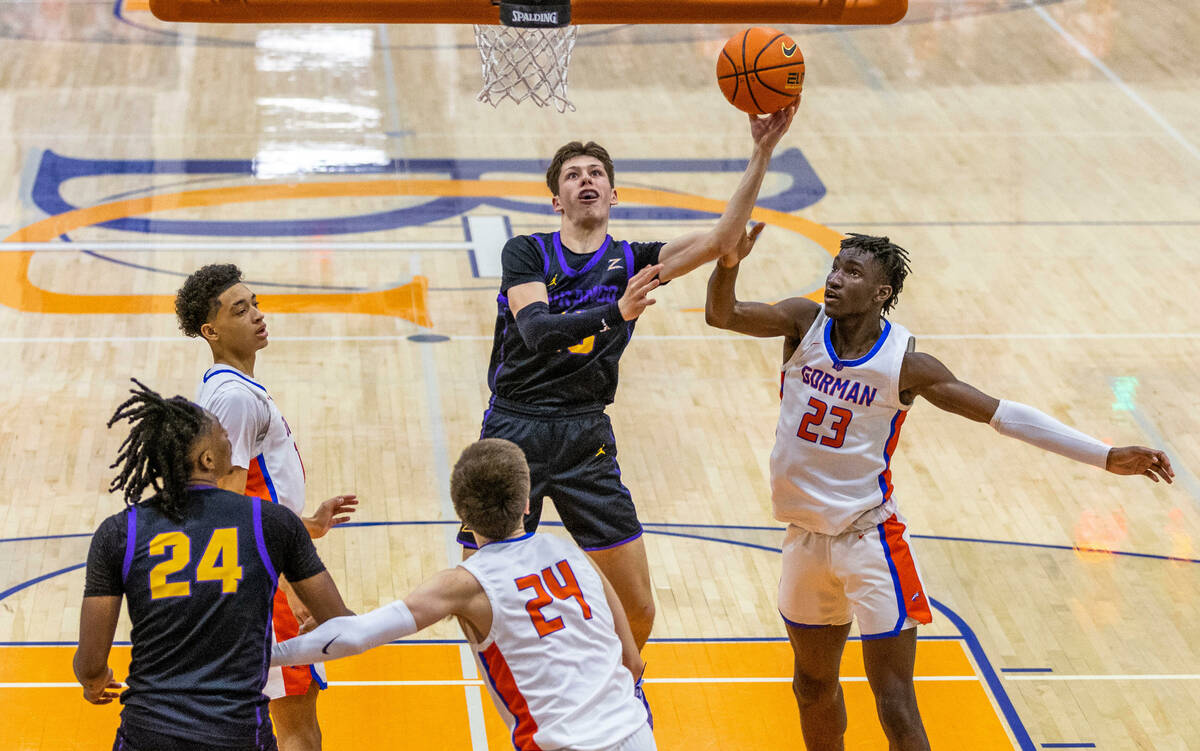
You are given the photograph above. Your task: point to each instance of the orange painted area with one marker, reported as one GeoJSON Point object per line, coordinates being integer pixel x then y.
{"type": "Point", "coordinates": [774, 660]}
{"type": "Point", "coordinates": [695, 716]}
{"type": "Point", "coordinates": [143, 5]}
{"type": "Point", "coordinates": [406, 301]}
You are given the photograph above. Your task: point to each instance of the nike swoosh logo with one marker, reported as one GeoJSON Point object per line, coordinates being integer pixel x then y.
{"type": "Point", "coordinates": [789, 51]}
{"type": "Point", "coordinates": [325, 649]}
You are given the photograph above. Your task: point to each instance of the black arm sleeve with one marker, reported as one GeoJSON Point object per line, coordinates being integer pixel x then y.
{"type": "Point", "coordinates": [521, 262]}
{"type": "Point", "coordinates": [105, 558]}
{"type": "Point", "coordinates": [291, 549]}
{"type": "Point", "coordinates": [543, 331]}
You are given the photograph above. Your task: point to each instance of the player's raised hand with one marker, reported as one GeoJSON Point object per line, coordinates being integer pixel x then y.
{"type": "Point", "coordinates": [636, 298]}
{"type": "Point", "coordinates": [331, 513]}
{"type": "Point", "coordinates": [102, 691]}
{"type": "Point", "coordinates": [1139, 460]}
{"type": "Point", "coordinates": [744, 246]}
{"type": "Point", "coordinates": [766, 131]}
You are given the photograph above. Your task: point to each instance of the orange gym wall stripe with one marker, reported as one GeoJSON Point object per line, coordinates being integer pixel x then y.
{"type": "Point", "coordinates": [855, 12]}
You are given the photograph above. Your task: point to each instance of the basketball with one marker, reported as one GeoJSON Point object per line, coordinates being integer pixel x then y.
{"type": "Point", "coordinates": [760, 70]}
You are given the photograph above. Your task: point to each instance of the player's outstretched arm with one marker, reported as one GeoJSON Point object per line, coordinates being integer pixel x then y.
{"type": "Point", "coordinates": [447, 593]}
{"type": "Point", "coordinates": [924, 375]}
{"type": "Point", "coordinates": [97, 625]}
{"type": "Point", "coordinates": [329, 514]}
{"type": "Point", "coordinates": [722, 309]}
{"type": "Point", "coordinates": [691, 251]}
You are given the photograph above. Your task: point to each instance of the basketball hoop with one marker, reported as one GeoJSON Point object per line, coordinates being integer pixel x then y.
{"type": "Point", "coordinates": [526, 57]}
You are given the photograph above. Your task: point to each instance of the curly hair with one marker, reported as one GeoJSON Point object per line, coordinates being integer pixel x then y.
{"type": "Point", "coordinates": [572, 150]}
{"type": "Point", "coordinates": [199, 297]}
{"type": "Point", "coordinates": [490, 487]}
{"type": "Point", "coordinates": [155, 454]}
{"type": "Point", "coordinates": [893, 261]}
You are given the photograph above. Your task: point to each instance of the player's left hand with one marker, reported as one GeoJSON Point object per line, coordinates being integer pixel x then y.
{"type": "Point", "coordinates": [1139, 460]}
{"type": "Point", "coordinates": [102, 691]}
{"type": "Point", "coordinates": [766, 131]}
{"type": "Point", "coordinates": [331, 513]}
{"type": "Point", "coordinates": [744, 246]}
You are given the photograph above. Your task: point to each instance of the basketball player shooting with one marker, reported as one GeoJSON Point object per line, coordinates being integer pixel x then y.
{"type": "Point", "coordinates": [552, 375]}
{"type": "Point", "coordinates": [849, 379]}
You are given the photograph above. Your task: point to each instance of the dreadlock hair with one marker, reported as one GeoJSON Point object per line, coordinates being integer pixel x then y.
{"type": "Point", "coordinates": [892, 259]}
{"type": "Point", "coordinates": [198, 299]}
{"type": "Point", "coordinates": [155, 453]}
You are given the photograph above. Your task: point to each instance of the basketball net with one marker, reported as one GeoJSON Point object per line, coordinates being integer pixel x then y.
{"type": "Point", "coordinates": [521, 63]}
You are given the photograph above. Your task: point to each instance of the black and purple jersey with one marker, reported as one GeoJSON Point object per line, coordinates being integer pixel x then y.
{"type": "Point", "coordinates": [581, 378]}
{"type": "Point", "coordinates": [199, 593]}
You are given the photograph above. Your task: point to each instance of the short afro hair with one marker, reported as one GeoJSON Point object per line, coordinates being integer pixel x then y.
{"type": "Point", "coordinates": [490, 487]}
{"type": "Point", "coordinates": [892, 259]}
{"type": "Point", "coordinates": [199, 297]}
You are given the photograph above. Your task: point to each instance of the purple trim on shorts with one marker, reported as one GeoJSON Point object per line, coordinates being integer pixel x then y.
{"type": "Point", "coordinates": [130, 541]}
{"type": "Point", "coordinates": [616, 544]}
{"type": "Point", "coordinates": [629, 270]}
{"type": "Point", "coordinates": [488, 412]}
{"type": "Point", "coordinates": [562, 261]}
{"type": "Point", "coordinates": [256, 511]}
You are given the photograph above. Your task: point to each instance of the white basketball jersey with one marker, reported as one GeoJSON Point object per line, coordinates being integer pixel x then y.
{"type": "Point", "coordinates": [260, 437]}
{"type": "Point", "coordinates": [838, 427]}
{"type": "Point", "coordinates": [552, 661]}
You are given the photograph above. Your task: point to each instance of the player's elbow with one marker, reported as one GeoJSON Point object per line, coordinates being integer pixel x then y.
{"type": "Point", "coordinates": [86, 669]}
{"type": "Point", "coordinates": [716, 318]}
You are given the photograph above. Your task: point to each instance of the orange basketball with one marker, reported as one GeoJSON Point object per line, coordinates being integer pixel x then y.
{"type": "Point", "coordinates": [760, 71]}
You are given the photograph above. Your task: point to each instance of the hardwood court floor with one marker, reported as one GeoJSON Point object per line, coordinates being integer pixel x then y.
{"type": "Point", "coordinates": [1039, 160]}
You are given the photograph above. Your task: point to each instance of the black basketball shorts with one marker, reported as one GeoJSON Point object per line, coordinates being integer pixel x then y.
{"type": "Point", "coordinates": [573, 461]}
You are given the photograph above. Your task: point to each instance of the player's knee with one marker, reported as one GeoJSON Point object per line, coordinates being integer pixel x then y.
{"type": "Point", "coordinates": [643, 612]}
{"type": "Point", "coordinates": [898, 712]}
{"type": "Point", "coordinates": [812, 691]}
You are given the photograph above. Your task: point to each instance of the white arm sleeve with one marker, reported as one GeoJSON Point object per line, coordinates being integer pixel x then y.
{"type": "Point", "coordinates": [1025, 423]}
{"type": "Point", "coordinates": [347, 635]}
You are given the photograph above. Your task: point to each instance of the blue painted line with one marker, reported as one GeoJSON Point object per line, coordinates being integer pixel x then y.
{"type": "Point", "coordinates": [653, 528]}
{"type": "Point", "coordinates": [984, 665]}
{"type": "Point", "coordinates": [1026, 670]}
{"type": "Point", "coordinates": [160, 187]}
{"type": "Point", "coordinates": [1072, 548]}
{"type": "Point", "coordinates": [37, 579]}
{"type": "Point", "coordinates": [804, 189]}
{"type": "Point", "coordinates": [45, 537]}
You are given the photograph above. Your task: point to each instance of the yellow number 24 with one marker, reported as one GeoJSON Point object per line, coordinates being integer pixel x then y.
{"type": "Point", "coordinates": [219, 562]}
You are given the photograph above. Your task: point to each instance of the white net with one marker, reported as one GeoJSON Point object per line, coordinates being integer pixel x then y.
{"type": "Point", "coordinates": [520, 64]}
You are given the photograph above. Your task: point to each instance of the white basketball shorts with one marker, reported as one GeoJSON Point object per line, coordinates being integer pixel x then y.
{"type": "Point", "coordinates": [868, 572]}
